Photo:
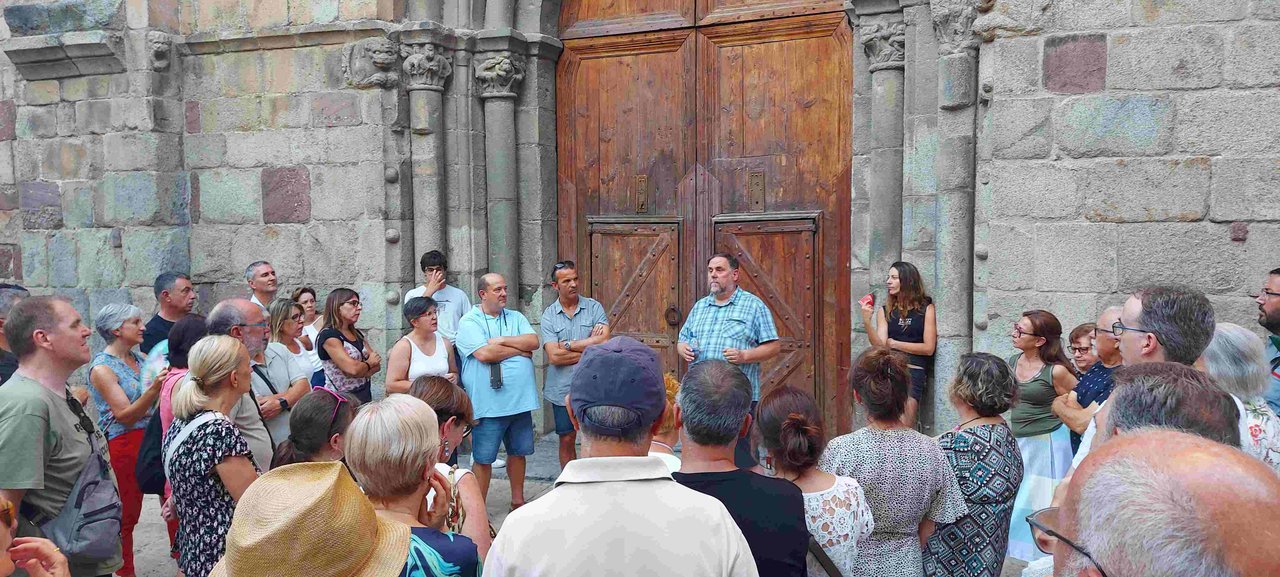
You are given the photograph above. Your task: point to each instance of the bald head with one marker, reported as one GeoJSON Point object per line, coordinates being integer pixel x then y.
{"type": "Point", "coordinates": [242, 319]}
{"type": "Point", "coordinates": [1160, 503]}
{"type": "Point", "coordinates": [493, 293]}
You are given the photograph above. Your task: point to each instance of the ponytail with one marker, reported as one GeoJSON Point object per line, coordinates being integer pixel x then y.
{"type": "Point", "coordinates": [212, 360]}
{"type": "Point", "coordinates": [188, 399]}
{"type": "Point", "coordinates": [286, 454]}
{"type": "Point", "coordinates": [790, 428]}
{"type": "Point", "coordinates": [799, 443]}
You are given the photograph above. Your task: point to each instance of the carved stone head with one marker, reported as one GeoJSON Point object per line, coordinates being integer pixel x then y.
{"type": "Point", "coordinates": [371, 62]}
{"type": "Point", "coordinates": [158, 45]}
{"type": "Point", "coordinates": [382, 53]}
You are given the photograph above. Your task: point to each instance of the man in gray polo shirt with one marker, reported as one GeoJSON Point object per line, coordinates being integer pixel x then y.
{"type": "Point", "coordinates": [570, 324]}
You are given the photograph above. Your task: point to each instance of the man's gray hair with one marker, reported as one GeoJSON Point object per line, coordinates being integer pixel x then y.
{"type": "Point", "coordinates": [1173, 396]}
{"type": "Point", "coordinates": [166, 280]}
{"type": "Point", "coordinates": [224, 316]}
{"type": "Point", "coordinates": [9, 296]}
{"type": "Point", "coordinates": [253, 268]}
{"type": "Point", "coordinates": [1181, 318]}
{"type": "Point", "coordinates": [1137, 520]}
{"type": "Point", "coordinates": [1237, 360]}
{"type": "Point", "coordinates": [714, 397]}
{"type": "Point", "coordinates": [112, 317]}
{"type": "Point", "coordinates": [614, 417]}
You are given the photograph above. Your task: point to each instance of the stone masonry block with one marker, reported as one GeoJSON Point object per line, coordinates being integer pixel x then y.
{"type": "Point", "coordinates": [335, 109]}
{"type": "Point", "coordinates": [26, 159]}
{"type": "Point", "coordinates": [40, 92]}
{"type": "Point", "coordinates": [98, 263]}
{"type": "Point", "coordinates": [220, 253]}
{"type": "Point", "coordinates": [142, 199]}
{"type": "Point", "coordinates": [1198, 254]}
{"type": "Point", "coordinates": [1075, 257]}
{"type": "Point", "coordinates": [1229, 123]}
{"type": "Point", "coordinates": [191, 116]}
{"type": "Point", "coordinates": [338, 191]}
{"type": "Point", "coordinates": [204, 150]}
{"type": "Point", "coordinates": [1166, 58]}
{"type": "Point", "coordinates": [66, 119]}
{"type": "Point", "coordinates": [1071, 15]}
{"type": "Point", "coordinates": [151, 251]}
{"type": "Point", "coordinates": [1024, 189]}
{"type": "Point", "coordinates": [230, 196]}
{"type": "Point", "coordinates": [62, 259]}
{"type": "Point", "coordinates": [286, 111]}
{"type": "Point", "coordinates": [231, 114]}
{"type": "Point", "coordinates": [343, 250]}
{"type": "Point", "coordinates": [239, 73]}
{"type": "Point", "coordinates": [1160, 12]}
{"type": "Point", "coordinates": [11, 261]}
{"type": "Point", "coordinates": [41, 204]}
{"type": "Point", "coordinates": [286, 194]}
{"type": "Point", "coordinates": [77, 203]}
{"type": "Point", "coordinates": [1075, 64]}
{"type": "Point", "coordinates": [1011, 259]}
{"type": "Point", "coordinates": [97, 117]}
{"type": "Point", "coordinates": [1251, 58]}
{"type": "Point", "coordinates": [313, 11]}
{"type": "Point", "coordinates": [142, 151]}
{"type": "Point", "coordinates": [35, 258]}
{"type": "Point", "coordinates": [9, 199]}
{"type": "Point", "coordinates": [6, 167]}
{"type": "Point", "coordinates": [8, 120]}
{"type": "Point", "coordinates": [1128, 125]}
{"type": "Point", "coordinates": [1245, 189]}
{"type": "Point", "coordinates": [259, 148]}
{"type": "Point", "coordinates": [353, 144]}
{"type": "Point", "coordinates": [919, 222]}
{"type": "Point", "coordinates": [67, 159]}
{"type": "Point", "coordinates": [268, 14]}
{"type": "Point", "coordinates": [1140, 190]}
{"type": "Point", "coordinates": [37, 122]}
{"type": "Point", "coordinates": [85, 87]}
{"type": "Point", "coordinates": [1266, 9]}
{"type": "Point", "coordinates": [1020, 128]}
{"type": "Point", "coordinates": [358, 9]}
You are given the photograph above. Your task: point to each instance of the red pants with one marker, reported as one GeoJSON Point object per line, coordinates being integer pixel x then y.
{"type": "Point", "coordinates": [124, 458]}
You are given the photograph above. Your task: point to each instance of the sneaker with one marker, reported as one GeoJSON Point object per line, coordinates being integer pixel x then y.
{"type": "Point", "coordinates": [499, 464]}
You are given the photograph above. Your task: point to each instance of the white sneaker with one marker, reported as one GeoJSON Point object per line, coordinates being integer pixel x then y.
{"type": "Point", "coordinates": [499, 464]}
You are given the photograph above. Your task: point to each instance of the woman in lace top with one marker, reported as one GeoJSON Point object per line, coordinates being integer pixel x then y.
{"type": "Point", "coordinates": [988, 466]}
{"type": "Point", "coordinates": [790, 429]}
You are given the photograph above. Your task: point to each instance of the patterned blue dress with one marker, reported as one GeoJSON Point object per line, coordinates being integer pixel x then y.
{"type": "Point", "coordinates": [988, 466]}
{"type": "Point", "coordinates": [436, 554]}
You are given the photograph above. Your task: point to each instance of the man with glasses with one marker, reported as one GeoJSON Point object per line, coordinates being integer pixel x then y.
{"type": "Point", "coordinates": [1164, 323]}
{"type": "Point", "coordinates": [1269, 317]}
{"type": "Point", "coordinates": [1077, 409]}
{"type": "Point", "coordinates": [44, 433]}
{"type": "Point", "coordinates": [570, 324]}
{"type": "Point", "coordinates": [1165, 504]}
{"type": "Point", "coordinates": [245, 321]}
{"type": "Point", "coordinates": [10, 294]}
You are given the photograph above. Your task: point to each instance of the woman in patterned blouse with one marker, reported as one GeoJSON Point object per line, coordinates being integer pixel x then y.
{"type": "Point", "coordinates": [1236, 359]}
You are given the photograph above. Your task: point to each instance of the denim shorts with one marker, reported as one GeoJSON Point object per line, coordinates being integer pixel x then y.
{"type": "Point", "coordinates": [513, 431]}
{"type": "Point", "coordinates": [563, 425]}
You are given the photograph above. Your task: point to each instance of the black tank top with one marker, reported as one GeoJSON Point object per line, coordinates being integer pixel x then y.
{"type": "Point", "coordinates": [910, 329]}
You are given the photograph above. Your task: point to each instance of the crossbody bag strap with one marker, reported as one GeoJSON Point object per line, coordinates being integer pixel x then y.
{"type": "Point", "coordinates": [257, 370]}
{"type": "Point", "coordinates": [183, 434]}
{"type": "Point", "coordinates": [823, 559]}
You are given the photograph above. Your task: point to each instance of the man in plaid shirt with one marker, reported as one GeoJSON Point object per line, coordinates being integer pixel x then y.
{"type": "Point", "coordinates": [734, 325]}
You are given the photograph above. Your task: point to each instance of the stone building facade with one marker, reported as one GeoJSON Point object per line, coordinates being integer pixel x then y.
{"type": "Point", "coordinates": [1023, 153]}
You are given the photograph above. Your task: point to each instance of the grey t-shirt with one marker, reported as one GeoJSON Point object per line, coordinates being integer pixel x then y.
{"type": "Point", "coordinates": [44, 450]}
{"type": "Point", "coordinates": [283, 370]}
{"type": "Point", "coordinates": [558, 327]}
{"type": "Point", "coordinates": [247, 419]}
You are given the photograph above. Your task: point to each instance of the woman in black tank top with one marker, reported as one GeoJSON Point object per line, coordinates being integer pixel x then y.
{"type": "Point", "coordinates": [907, 324]}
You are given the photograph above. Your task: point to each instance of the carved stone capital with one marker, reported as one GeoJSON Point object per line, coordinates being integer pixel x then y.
{"type": "Point", "coordinates": [370, 63]}
{"type": "Point", "coordinates": [953, 24]}
{"type": "Point", "coordinates": [426, 66]}
{"type": "Point", "coordinates": [885, 43]}
{"type": "Point", "coordinates": [158, 48]}
{"type": "Point", "coordinates": [500, 75]}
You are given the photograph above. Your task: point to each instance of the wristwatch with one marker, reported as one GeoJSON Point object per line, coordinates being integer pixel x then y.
{"type": "Point", "coordinates": [284, 403]}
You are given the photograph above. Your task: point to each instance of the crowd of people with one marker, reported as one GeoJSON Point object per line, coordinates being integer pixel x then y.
{"type": "Point", "coordinates": [1150, 445]}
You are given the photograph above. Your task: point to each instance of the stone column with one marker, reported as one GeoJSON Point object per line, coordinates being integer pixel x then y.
{"type": "Point", "coordinates": [883, 42]}
{"type": "Point", "coordinates": [427, 64]}
{"type": "Point", "coordinates": [956, 164]}
{"type": "Point", "coordinates": [499, 74]}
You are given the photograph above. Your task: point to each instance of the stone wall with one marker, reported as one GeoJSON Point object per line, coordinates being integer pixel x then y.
{"type": "Point", "coordinates": [1125, 142]}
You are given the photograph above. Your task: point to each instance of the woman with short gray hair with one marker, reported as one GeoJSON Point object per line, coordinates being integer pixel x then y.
{"type": "Point", "coordinates": [125, 406]}
{"type": "Point", "coordinates": [1236, 359]}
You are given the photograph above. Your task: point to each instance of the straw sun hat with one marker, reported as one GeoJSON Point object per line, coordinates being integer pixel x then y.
{"type": "Point", "coordinates": [311, 520]}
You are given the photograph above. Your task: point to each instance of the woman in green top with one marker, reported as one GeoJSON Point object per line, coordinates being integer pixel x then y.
{"type": "Point", "coordinates": [1044, 372]}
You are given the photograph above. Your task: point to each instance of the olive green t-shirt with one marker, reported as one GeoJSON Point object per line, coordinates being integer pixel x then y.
{"type": "Point", "coordinates": [44, 451]}
{"type": "Point", "coordinates": [1033, 414]}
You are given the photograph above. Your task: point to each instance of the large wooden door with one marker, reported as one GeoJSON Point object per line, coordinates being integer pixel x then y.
{"type": "Point", "coordinates": [687, 127]}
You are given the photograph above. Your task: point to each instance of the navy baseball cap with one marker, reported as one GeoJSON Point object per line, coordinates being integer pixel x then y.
{"type": "Point", "coordinates": [619, 373]}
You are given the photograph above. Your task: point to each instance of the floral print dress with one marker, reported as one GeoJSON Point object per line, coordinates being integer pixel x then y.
{"type": "Point", "coordinates": [203, 505]}
{"type": "Point", "coordinates": [1263, 441]}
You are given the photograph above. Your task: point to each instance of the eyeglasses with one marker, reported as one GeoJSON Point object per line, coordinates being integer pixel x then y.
{"type": "Point", "coordinates": [433, 313]}
{"type": "Point", "coordinates": [341, 399]}
{"type": "Point", "coordinates": [355, 304]}
{"type": "Point", "coordinates": [1081, 350]}
{"type": "Point", "coordinates": [1118, 329]}
{"type": "Point", "coordinates": [296, 318]}
{"type": "Point", "coordinates": [1040, 520]}
{"type": "Point", "coordinates": [254, 326]}
{"type": "Point", "coordinates": [1018, 332]}
{"type": "Point", "coordinates": [1268, 294]}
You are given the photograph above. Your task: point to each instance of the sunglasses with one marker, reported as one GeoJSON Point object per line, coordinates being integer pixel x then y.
{"type": "Point", "coordinates": [341, 399]}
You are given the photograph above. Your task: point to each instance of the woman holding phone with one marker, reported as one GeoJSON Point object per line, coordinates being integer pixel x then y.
{"type": "Point", "coordinates": [906, 323]}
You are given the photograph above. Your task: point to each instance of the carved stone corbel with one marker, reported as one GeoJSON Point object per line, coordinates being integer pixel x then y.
{"type": "Point", "coordinates": [426, 66]}
{"type": "Point", "coordinates": [885, 44]}
{"type": "Point", "coordinates": [953, 24]}
{"type": "Point", "coordinates": [371, 62]}
{"type": "Point", "coordinates": [500, 75]}
{"type": "Point", "coordinates": [158, 47]}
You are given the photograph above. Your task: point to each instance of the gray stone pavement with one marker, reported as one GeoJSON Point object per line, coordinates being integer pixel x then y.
{"type": "Point", "coordinates": [151, 544]}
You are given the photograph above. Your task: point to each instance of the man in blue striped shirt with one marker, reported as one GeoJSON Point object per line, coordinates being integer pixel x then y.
{"type": "Point", "coordinates": [734, 325]}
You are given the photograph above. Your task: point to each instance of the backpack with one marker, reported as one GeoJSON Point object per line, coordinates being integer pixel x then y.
{"type": "Point", "coordinates": [88, 526]}
{"type": "Point", "coordinates": [150, 467]}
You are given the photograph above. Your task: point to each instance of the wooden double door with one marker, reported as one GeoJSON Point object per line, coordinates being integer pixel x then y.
{"type": "Point", "coordinates": [688, 127]}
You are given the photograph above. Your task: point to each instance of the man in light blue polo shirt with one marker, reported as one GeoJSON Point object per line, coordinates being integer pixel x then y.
{"type": "Point", "coordinates": [570, 324]}
{"type": "Point", "coordinates": [497, 347]}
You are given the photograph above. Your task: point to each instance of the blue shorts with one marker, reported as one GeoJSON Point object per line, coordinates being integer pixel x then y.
{"type": "Point", "coordinates": [563, 425]}
{"type": "Point", "coordinates": [514, 431]}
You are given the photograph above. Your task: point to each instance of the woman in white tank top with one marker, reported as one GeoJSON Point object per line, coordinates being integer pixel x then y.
{"type": "Point", "coordinates": [422, 352]}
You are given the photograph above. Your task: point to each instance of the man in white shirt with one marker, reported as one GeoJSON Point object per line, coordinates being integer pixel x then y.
{"type": "Point", "coordinates": [263, 283]}
{"type": "Point", "coordinates": [616, 509]}
{"type": "Point", "coordinates": [451, 301]}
